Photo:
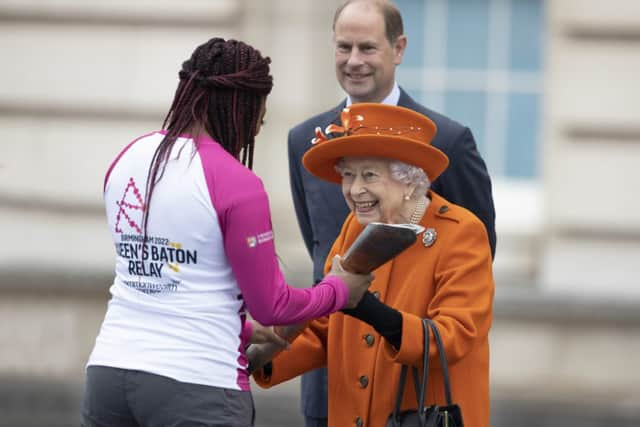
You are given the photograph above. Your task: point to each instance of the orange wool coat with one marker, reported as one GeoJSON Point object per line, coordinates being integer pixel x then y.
{"type": "Point", "coordinates": [450, 282]}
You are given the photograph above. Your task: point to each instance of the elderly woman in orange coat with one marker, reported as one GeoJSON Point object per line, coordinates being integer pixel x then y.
{"type": "Point", "coordinates": [385, 163]}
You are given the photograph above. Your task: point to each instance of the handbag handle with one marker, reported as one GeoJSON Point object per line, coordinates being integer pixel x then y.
{"type": "Point", "coordinates": [421, 389]}
{"type": "Point", "coordinates": [443, 360]}
{"type": "Point", "coordinates": [421, 394]}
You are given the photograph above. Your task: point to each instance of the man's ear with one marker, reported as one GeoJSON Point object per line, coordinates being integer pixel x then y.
{"type": "Point", "coordinates": [399, 47]}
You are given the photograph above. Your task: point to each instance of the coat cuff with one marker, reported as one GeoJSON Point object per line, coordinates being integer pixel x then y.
{"type": "Point", "coordinates": [262, 379]}
{"type": "Point", "coordinates": [412, 346]}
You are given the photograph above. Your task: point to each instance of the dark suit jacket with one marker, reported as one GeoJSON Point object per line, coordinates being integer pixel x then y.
{"type": "Point", "coordinates": [321, 209]}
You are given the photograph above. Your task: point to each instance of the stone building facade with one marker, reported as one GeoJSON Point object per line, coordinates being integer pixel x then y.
{"type": "Point", "coordinates": [81, 79]}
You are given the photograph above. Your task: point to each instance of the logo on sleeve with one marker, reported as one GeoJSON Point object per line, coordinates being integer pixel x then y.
{"type": "Point", "coordinates": [253, 241]}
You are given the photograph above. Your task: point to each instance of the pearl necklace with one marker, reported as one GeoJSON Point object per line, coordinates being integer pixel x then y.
{"type": "Point", "coordinates": [418, 212]}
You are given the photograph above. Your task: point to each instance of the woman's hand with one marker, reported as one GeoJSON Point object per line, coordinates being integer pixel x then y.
{"type": "Point", "coordinates": [266, 334]}
{"type": "Point", "coordinates": [357, 283]}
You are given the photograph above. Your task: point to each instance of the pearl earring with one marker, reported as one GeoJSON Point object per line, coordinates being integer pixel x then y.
{"type": "Point", "coordinates": [406, 197]}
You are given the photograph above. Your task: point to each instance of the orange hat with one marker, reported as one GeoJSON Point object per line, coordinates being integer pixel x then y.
{"type": "Point", "coordinates": [376, 130]}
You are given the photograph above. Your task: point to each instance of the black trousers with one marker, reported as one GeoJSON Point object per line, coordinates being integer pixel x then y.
{"type": "Point", "coordinates": [127, 398]}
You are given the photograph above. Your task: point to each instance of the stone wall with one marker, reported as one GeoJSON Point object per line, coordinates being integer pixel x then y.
{"type": "Point", "coordinates": [82, 79]}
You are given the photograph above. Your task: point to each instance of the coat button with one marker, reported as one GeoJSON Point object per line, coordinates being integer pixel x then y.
{"type": "Point", "coordinates": [369, 339]}
{"type": "Point", "coordinates": [376, 294]}
{"type": "Point", "coordinates": [359, 422]}
{"type": "Point", "coordinates": [443, 209]}
{"type": "Point", "coordinates": [364, 381]}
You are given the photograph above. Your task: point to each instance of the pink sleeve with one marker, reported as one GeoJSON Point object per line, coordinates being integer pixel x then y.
{"type": "Point", "coordinates": [243, 212]}
{"type": "Point", "coordinates": [249, 246]}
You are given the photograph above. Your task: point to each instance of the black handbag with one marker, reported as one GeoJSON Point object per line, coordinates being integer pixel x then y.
{"type": "Point", "coordinates": [426, 416]}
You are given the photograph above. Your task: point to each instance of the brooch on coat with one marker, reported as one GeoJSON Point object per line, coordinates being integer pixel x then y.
{"type": "Point", "coordinates": [429, 237]}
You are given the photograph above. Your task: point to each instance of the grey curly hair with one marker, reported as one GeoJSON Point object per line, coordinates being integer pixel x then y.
{"type": "Point", "coordinates": [410, 174]}
{"type": "Point", "coordinates": [405, 173]}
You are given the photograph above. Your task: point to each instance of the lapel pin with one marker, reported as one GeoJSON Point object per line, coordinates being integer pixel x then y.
{"type": "Point", "coordinates": [429, 237]}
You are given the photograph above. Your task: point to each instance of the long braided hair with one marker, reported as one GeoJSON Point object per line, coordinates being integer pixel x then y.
{"type": "Point", "coordinates": [223, 88]}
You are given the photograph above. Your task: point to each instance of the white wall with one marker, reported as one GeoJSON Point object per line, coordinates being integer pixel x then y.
{"type": "Point", "coordinates": [592, 149]}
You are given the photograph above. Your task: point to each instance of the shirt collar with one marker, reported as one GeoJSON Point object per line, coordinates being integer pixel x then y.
{"type": "Point", "coordinates": [391, 99]}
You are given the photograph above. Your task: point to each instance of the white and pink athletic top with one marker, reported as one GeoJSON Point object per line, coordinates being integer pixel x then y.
{"type": "Point", "coordinates": [178, 302]}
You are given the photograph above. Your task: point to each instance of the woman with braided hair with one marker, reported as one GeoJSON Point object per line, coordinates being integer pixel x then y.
{"type": "Point", "coordinates": [194, 254]}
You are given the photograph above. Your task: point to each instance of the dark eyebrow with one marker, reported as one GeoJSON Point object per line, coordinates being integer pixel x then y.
{"type": "Point", "coordinates": [367, 44]}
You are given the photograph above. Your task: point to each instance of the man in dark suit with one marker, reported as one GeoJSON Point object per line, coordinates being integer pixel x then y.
{"type": "Point", "coordinates": [369, 44]}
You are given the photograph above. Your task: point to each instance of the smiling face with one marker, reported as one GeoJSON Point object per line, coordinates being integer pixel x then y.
{"type": "Point", "coordinates": [372, 193]}
{"type": "Point", "coordinates": [365, 59]}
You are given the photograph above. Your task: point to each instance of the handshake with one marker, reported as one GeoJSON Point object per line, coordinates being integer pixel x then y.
{"type": "Point", "coordinates": [268, 341]}
{"type": "Point", "coordinates": [377, 244]}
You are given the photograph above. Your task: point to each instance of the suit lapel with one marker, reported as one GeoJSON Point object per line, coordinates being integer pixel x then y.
{"type": "Point", "coordinates": [334, 117]}
{"type": "Point", "coordinates": [331, 116]}
{"type": "Point", "coordinates": [406, 101]}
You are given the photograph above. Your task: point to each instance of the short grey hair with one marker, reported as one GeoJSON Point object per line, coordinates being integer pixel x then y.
{"type": "Point", "coordinates": [410, 174]}
{"type": "Point", "coordinates": [402, 172]}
